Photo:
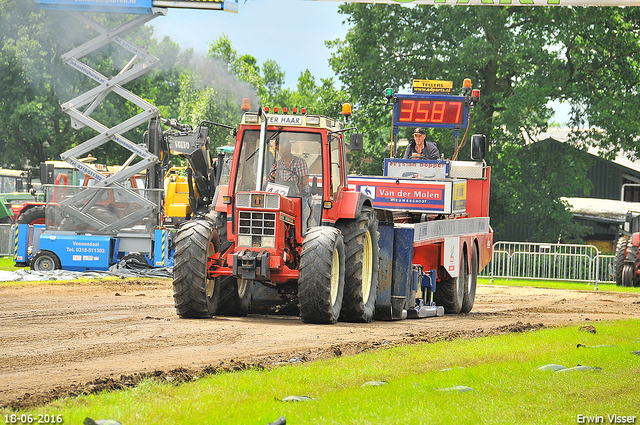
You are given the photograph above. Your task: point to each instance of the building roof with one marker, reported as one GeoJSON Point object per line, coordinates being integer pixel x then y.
{"type": "Point", "coordinates": [562, 135]}
{"type": "Point", "coordinates": [602, 209]}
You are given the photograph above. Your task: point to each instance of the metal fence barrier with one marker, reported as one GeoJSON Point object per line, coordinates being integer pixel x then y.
{"type": "Point", "coordinates": [523, 260]}
{"type": "Point", "coordinates": [6, 240]}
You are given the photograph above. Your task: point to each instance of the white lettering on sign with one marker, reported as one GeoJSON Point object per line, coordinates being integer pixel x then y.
{"type": "Point", "coordinates": [181, 145]}
{"type": "Point", "coordinates": [285, 119]}
{"type": "Point", "coordinates": [385, 192]}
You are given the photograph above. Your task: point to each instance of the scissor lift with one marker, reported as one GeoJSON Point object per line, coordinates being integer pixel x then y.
{"type": "Point", "coordinates": [79, 215]}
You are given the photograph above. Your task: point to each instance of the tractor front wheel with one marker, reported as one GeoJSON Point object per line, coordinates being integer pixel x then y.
{"type": "Point", "coordinates": [618, 265]}
{"type": "Point", "coordinates": [321, 281]}
{"type": "Point", "coordinates": [194, 295]}
{"type": "Point", "coordinates": [627, 275]}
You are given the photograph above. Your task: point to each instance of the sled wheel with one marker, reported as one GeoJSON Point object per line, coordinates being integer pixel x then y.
{"type": "Point", "coordinates": [450, 292]}
{"type": "Point", "coordinates": [470, 283]}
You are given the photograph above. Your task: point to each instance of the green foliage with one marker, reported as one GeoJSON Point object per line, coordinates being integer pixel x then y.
{"type": "Point", "coordinates": [528, 177]}
{"type": "Point", "coordinates": [35, 82]}
{"type": "Point", "coordinates": [521, 59]}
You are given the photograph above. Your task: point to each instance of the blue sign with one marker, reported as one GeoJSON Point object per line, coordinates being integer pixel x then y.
{"type": "Point", "coordinates": [112, 6]}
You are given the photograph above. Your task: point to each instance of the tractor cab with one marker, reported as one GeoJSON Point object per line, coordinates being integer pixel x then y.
{"type": "Point", "coordinates": [295, 162]}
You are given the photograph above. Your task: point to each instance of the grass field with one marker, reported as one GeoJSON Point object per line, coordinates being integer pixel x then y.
{"type": "Point", "coordinates": [501, 372]}
{"type": "Point", "coordinates": [582, 286]}
{"type": "Point", "coordinates": [6, 263]}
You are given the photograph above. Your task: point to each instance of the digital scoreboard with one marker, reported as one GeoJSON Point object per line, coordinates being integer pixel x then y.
{"type": "Point", "coordinates": [430, 110]}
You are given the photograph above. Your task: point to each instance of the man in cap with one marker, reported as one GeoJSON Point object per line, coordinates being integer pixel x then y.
{"type": "Point", "coordinates": [419, 148]}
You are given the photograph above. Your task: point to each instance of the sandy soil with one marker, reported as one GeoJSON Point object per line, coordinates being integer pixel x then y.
{"type": "Point", "coordinates": [73, 338]}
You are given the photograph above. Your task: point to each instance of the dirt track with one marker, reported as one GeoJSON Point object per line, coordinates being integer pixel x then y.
{"type": "Point", "coordinates": [78, 338]}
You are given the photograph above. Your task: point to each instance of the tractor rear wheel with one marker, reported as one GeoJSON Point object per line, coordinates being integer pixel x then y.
{"type": "Point", "coordinates": [618, 265]}
{"type": "Point", "coordinates": [234, 297]}
{"type": "Point", "coordinates": [194, 295]}
{"type": "Point", "coordinates": [450, 292]}
{"type": "Point", "coordinates": [470, 283]}
{"type": "Point", "coordinates": [33, 215]}
{"type": "Point", "coordinates": [321, 282]}
{"type": "Point", "coordinates": [362, 260]}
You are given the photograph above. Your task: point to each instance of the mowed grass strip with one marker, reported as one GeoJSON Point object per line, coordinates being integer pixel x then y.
{"type": "Point", "coordinates": [554, 284]}
{"type": "Point", "coordinates": [502, 371]}
{"type": "Point", "coordinates": [7, 263]}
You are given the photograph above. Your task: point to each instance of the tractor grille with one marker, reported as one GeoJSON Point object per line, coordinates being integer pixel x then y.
{"type": "Point", "coordinates": [256, 229]}
{"type": "Point", "coordinates": [258, 200]}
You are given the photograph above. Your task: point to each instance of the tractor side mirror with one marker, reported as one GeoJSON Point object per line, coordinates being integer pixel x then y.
{"type": "Point", "coordinates": [356, 142]}
{"type": "Point", "coordinates": [47, 172]}
{"type": "Point", "coordinates": [478, 147]}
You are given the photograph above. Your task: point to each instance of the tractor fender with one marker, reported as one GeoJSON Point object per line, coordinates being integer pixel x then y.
{"type": "Point", "coordinates": [352, 203]}
{"type": "Point", "coordinates": [632, 256]}
{"type": "Point", "coordinates": [221, 191]}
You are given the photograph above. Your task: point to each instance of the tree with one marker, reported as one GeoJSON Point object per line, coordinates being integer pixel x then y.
{"type": "Point", "coordinates": [268, 81]}
{"type": "Point", "coordinates": [520, 59]}
{"type": "Point", "coordinates": [35, 82]}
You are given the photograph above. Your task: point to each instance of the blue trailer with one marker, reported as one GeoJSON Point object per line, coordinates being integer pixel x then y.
{"type": "Point", "coordinates": [92, 228]}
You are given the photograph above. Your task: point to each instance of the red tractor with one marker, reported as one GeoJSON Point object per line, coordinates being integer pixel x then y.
{"type": "Point", "coordinates": [288, 220]}
{"type": "Point", "coordinates": [627, 262]}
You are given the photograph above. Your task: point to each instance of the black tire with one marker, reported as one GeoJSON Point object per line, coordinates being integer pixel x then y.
{"type": "Point", "coordinates": [194, 295]}
{"type": "Point", "coordinates": [321, 283]}
{"type": "Point", "coordinates": [618, 265]}
{"type": "Point", "coordinates": [362, 261]}
{"type": "Point", "coordinates": [45, 261]}
{"type": "Point", "coordinates": [33, 215]}
{"type": "Point", "coordinates": [627, 275]}
{"type": "Point", "coordinates": [136, 260]}
{"type": "Point", "coordinates": [471, 283]}
{"type": "Point", "coordinates": [234, 298]}
{"type": "Point", "coordinates": [233, 294]}
{"type": "Point", "coordinates": [450, 292]}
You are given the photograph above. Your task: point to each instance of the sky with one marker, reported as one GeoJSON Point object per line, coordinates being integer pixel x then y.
{"type": "Point", "coordinates": [291, 32]}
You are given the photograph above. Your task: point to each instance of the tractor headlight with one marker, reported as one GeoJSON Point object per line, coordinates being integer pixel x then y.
{"type": "Point", "coordinates": [244, 240]}
{"type": "Point", "coordinates": [269, 241]}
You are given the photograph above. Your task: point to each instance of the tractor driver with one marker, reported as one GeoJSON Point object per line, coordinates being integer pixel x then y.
{"type": "Point", "coordinates": [419, 148]}
{"type": "Point", "coordinates": [290, 168]}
